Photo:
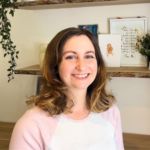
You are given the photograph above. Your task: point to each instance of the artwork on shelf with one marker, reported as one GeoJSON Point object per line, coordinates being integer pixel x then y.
{"type": "Point", "coordinates": [93, 28]}
{"type": "Point", "coordinates": [129, 29]}
{"type": "Point", "coordinates": [110, 46]}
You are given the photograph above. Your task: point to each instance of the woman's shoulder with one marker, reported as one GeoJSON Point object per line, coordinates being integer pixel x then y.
{"type": "Point", "coordinates": [32, 129]}
{"type": "Point", "coordinates": [35, 117]}
{"type": "Point", "coordinates": [113, 110]}
{"type": "Point", "coordinates": [33, 114]}
{"type": "Point", "coordinates": [112, 114]}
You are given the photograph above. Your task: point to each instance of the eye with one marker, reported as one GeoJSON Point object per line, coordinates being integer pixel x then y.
{"type": "Point", "coordinates": [71, 57]}
{"type": "Point", "coordinates": [90, 56]}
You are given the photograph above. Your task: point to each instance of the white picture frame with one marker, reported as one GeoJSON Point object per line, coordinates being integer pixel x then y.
{"type": "Point", "coordinates": [130, 29]}
{"type": "Point", "coordinates": [110, 46]}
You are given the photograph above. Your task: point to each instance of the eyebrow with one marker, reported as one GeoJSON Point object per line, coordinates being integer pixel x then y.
{"type": "Point", "coordinates": [70, 51]}
{"type": "Point", "coordinates": [90, 52]}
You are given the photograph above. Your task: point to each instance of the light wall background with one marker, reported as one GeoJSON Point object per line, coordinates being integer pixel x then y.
{"type": "Point", "coordinates": [31, 28]}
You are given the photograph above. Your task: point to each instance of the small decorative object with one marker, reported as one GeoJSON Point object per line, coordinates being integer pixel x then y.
{"type": "Point", "coordinates": [143, 46]}
{"type": "Point", "coordinates": [93, 28]}
{"type": "Point", "coordinates": [110, 46]}
{"type": "Point", "coordinates": [7, 7]}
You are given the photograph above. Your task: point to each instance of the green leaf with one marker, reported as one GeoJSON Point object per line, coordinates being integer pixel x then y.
{"type": "Point", "coordinates": [11, 12]}
{"type": "Point", "coordinates": [5, 54]}
{"type": "Point", "coordinates": [9, 69]}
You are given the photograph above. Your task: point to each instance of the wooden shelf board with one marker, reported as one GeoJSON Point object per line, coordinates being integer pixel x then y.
{"type": "Point", "coordinates": [31, 70]}
{"type": "Point", "coordinates": [140, 72]}
{"type": "Point", "coordinates": [50, 4]}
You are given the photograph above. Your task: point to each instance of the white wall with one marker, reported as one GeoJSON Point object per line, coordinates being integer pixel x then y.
{"type": "Point", "coordinates": [31, 28]}
{"type": "Point", "coordinates": [133, 95]}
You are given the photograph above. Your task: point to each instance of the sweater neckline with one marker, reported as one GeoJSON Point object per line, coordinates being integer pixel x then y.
{"type": "Point", "coordinates": [67, 118]}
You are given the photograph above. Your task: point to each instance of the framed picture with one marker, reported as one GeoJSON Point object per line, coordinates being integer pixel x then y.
{"type": "Point", "coordinates": [129, 29]}
{"type": "Point", "coordinates": [110, 46]}
{"type": "Point", "coordinates": [93, 28]}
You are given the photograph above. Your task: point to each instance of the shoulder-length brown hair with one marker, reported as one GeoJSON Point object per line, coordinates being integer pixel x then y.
{"type": "Point", "coordinates": [52, 97]}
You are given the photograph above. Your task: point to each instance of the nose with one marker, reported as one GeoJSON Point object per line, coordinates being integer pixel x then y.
{"type": "Point", "coordinates": [81, 64]}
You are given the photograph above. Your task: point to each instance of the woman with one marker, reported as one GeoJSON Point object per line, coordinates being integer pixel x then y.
{"type": "Point", "coordinates": [73, 111]}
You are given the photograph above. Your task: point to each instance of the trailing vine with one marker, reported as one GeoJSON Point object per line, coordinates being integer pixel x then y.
{"type": "Point", "coordinates": [7, 7]}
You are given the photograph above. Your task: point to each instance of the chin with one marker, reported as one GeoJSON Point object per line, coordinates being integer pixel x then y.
{"type": "Point", "coordinates": [82, 86]}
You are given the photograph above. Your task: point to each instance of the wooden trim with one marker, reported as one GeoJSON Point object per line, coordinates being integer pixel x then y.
{"type": "Point", "coordinates": [7, 124]}
{"type": "Point", "coordinates": [31, 70]}
{"type": "Point", "coordinates": [134, 141]}
{"type": "Point", "coordinates": [50, 4]}
{"type": "Point", "coordinates": [140, 72]}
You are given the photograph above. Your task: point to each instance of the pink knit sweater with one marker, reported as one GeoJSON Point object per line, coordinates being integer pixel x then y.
{"type": "Point", "coordinates": [36, 130]}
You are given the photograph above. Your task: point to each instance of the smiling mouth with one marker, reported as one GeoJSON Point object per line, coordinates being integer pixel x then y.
{"type": "Point", "coordinates": [81, 76]}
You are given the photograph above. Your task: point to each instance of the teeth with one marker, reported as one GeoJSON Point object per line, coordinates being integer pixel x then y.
{"type": "Point", "coordinates": [81, 75]}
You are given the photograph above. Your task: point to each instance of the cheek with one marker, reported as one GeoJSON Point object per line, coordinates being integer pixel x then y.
{"type": "Point", "coordinates": [64, 70]}
{"type": "Point", "coordinates": [94, 67]}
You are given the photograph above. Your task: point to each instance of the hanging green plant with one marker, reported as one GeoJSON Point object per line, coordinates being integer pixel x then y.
{"type": "Point", "coordinates": [7, 7]}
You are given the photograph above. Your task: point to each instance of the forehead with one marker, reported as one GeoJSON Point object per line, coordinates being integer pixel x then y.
{"type": "Point", "coordinates": [80, 42]}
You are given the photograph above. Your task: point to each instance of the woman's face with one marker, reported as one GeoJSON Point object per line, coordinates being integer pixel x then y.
{"type": "Point", "coordinates": [78, 67]}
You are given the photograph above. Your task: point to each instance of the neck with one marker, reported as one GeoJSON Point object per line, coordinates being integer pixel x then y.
{"type": "Point", "coordinates": [79, 100]}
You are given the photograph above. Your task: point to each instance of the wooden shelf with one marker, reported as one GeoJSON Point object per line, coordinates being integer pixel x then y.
{"type": "Point", "coordinates": [31, 70]}
{"type": "Point", "coordinates": [50, 4]}
{"type": "Point", "coordinates": [139, 72]}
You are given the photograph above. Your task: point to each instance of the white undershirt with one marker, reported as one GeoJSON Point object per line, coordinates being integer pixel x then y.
{"type": "Point", "coordinates": [90, 133]}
